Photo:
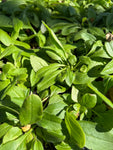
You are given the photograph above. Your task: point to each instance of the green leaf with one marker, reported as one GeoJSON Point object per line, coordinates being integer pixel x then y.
{"type": "Point", "coordinates": [109, 48]}
{"type": "Point", "coordinates": [12, 134]}
{"type": "Point", "coordinates": [89, 100]}
{"type": "Point", "coordinates": [108, 69]}
{"type": "Point", "coordinates": [5, 21]}
{"type": "Point", "coordinates": [70, 28]}
{"type": "Point", "coordinates": [63, 146]}
{"type": "Point", "coordinates": [37, 145]}
{"type": "Point", "coordinates": [75, 131]}
{"type": "Point", "coordinates": [31, 110]}
{"type": "Point", "coordinates": [4, 84]}
{"type": "Point", "coordinates": [74, 94]}
{"type": "Point", "coordinates": [97, 32]}
{"type": "Point", "coordinates": [83, 34]}
{"type": "Point", "coordinates": [18, 95]}
{"type": "Point", "coordinates": [46, 70]}
{"type": "Point", "coordinates": [18, 24]}
{"type": "Point", "coordinates": [4, 127]}
{"type": "Point", "coordinates": [8, 51]}
{"type": "Point", "coordinates": [51, 127]}
{"type": "Point", "coordinates": [55, 40]}
{"type": "Point", "coordinates": [5, 38]}
{"type": "Point", "coordinates": [70, 76]}
{"type": "Point", "coordinates": [37, 62]}
{"type": "Point", "coordinates": [48, 80]}
{"type": "Point", "coordinates": [56, 105]}
{"type": "Point", "coordinates": [15, 144]}
{"type": "Point", "coordinates": [95, 139]}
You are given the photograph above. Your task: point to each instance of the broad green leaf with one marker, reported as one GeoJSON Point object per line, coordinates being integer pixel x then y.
{"type": "Point", "coordinates": [5, 38]}
{"type": "Point", "coordinates": [72, 28]}
{"type": "Point", "coordinates": [75, 131]}
{"type": "Point", "coordinates": [12, 134]}
{"type": "Point", "coordinates": [97, 32]}
{"type": "Point", "coordinates": [50, 135]}
{"type": "Point", "coordinates": [53, 55]}
{"type": "Point", "coordinates": [18, 95]}
{"type": "Point", "coordinates": [95, 139]}
{"type": "Point", "coordinates": [108, 69]}
{"type": "Point", "coordinates": [82, 78]}
{"type": "Point", "coordinates": [31, 110]}
{"type": "Point", "coordinates": [46, 70]}
{"type": "Point", "coordinates": [15, 144]}
{"type": "Point", "coordinates": [89, 100]}
{"type": "Point", "coordinates": [100, 53]}
{"type": "Point", "coordinates": [83, 34]}
{"type": "Point", "coordinates": [37, 62]}
{"type": "Point", "coordinates": [48, 80]}
{"type": "Point", "coordinates": [50, 122]}
{"type": "Point", "coordinates": [109, 48]}
{"type": "Point", "coordinates": [51, 126]}
{"type": "Point", "coordinates": [5, 21]}
{"type": "Point", "coordinates": [55, 40]}
{"type": "Point", "coordinates": [4, 127]}
{"type": "Point", "coordinates": [56, 105]}
{"type": "Point", "coordinates": [70, 76]}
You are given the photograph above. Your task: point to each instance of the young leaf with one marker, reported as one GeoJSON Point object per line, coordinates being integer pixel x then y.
{"type": "Point", "coordinates": [31, 110]}
{"type": "Point", "coordinates": [37, 62]}
{"type": "Point", "coordinates": [75, 131]}
{"type": "Point", "coordinates": [89, 100]}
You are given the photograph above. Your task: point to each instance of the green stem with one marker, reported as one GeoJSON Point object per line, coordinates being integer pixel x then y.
{"type": "Point", "coordinates": [104, 98]}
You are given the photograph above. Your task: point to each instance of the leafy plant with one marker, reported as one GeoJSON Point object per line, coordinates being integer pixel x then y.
{"type": "Point", "coordinates": [56, 75]}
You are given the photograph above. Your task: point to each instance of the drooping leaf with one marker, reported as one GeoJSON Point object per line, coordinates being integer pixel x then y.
{"type": "Point", "coordinates": [31, 110]}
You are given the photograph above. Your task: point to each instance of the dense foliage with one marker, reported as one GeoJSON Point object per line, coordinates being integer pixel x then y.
{"type": "Point", "coordinates": [56, 75]}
